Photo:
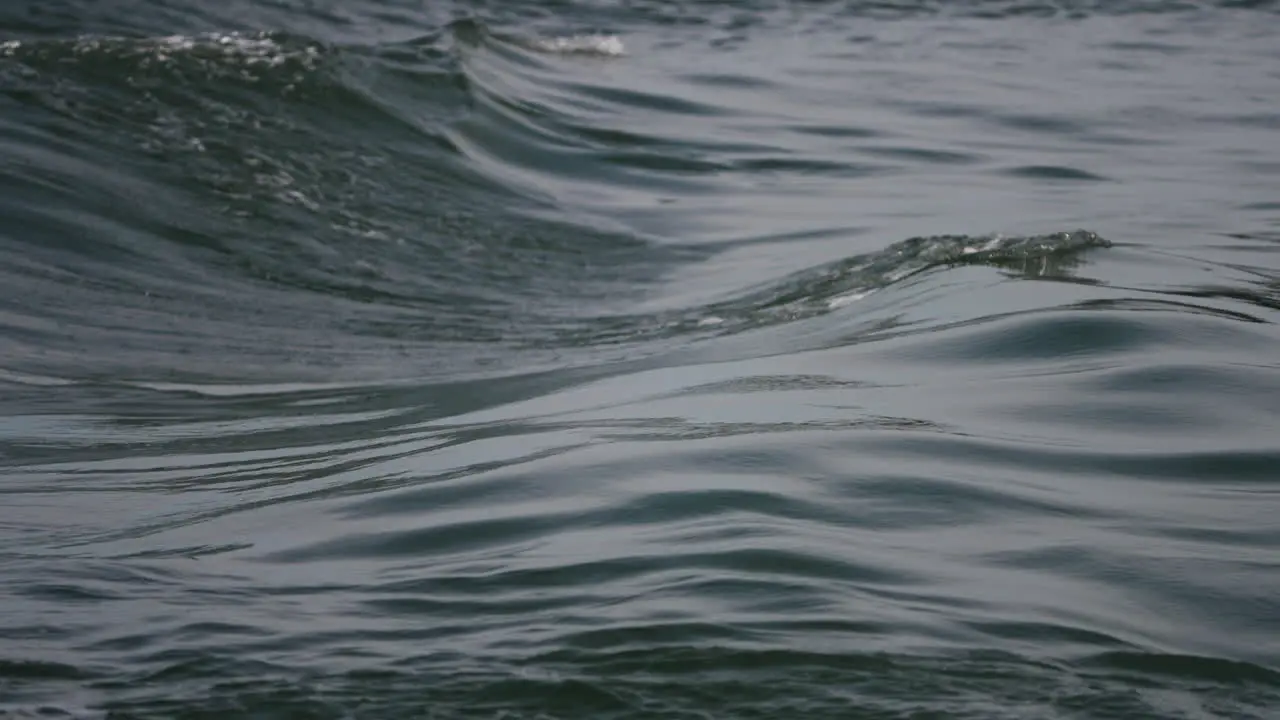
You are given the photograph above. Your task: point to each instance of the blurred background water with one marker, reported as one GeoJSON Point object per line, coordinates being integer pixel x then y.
{"type": "Point", "coordinates": [644, 359]}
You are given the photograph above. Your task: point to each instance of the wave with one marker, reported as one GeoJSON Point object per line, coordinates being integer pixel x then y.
{"type": "Point", "coordinates": [218, 175]}
{"type": "Point", "coordinates": [469, 200]}
{"type": "Point", "coordinates": [361, 206]}
{"type": "Point", "coordinates": [672, 682]}
{"type": "Point", "coordinates": [818, 291]}
{"type": "Point", "coordinates": [512, 358]}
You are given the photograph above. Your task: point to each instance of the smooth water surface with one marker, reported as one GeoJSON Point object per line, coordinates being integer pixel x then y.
{"type": "Point", "coordinates": [652, 359]}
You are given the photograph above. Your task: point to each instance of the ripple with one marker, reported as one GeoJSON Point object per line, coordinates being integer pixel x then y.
{"type": "Point", "coordinates": [1050, 172]}
{"type": "Point", "coordinates": [657, 683]}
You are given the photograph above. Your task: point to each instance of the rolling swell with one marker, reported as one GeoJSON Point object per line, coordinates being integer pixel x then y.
{"type": "Point", "coordinates": [371, 243]}
{"type": "Point", "coordinates": [232, 156]}
{"type": "Point", "coordinates": [638, 361]}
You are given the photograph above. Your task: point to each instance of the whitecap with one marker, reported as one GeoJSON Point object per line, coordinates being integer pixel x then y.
{"type": "Point", "coordinates": [601, 45]}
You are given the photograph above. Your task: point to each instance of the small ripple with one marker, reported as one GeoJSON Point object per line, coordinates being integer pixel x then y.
{"type": "Point", "coordinates": [730, 80]}
{"type": "Point", "coordinates": [1186, 667]}
{"type": "Point", "coordinates": [1053, 173]}
{"type": "Point", "coordinates": [680, 681]}
{"type": "Point", "coordinates": [1055, 337]}
{"type": "Point", "coordinates": [1239, 466]}
{"type": "Point", "coordinates": [835, 131]}
{"type": "Point", "coordinates": [37, 670]}
{"type": "Point", "coordinates": [445, 539]}
{"type": "Point", "coordinates": [810, 166]}
{"type": "Point", "coordinates": [930, 156]}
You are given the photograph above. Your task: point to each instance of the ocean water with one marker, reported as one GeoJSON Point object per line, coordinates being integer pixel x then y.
{"type": "Point", "coordinates": [640, 359]}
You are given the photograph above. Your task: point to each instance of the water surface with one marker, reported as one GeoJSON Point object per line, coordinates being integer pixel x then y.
{"type": "Point", "coordinates": [655, 359]}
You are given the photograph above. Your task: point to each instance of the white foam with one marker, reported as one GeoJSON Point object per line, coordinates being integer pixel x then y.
{"type": "Point", "coordinates": [602, 45]}
{"type": "Point", "coordinates": [245, 48]}
{"type": "Point", "coordinates": [840, 301]}
{"type": "Point", "coordinates": [36, 380]}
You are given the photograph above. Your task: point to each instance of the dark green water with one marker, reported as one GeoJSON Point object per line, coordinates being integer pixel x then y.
{"type": "Point", "coordinates": [585, 359]}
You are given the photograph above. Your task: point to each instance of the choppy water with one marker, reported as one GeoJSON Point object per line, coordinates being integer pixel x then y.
{"type": "Point", "coordinates": [654, 359]}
